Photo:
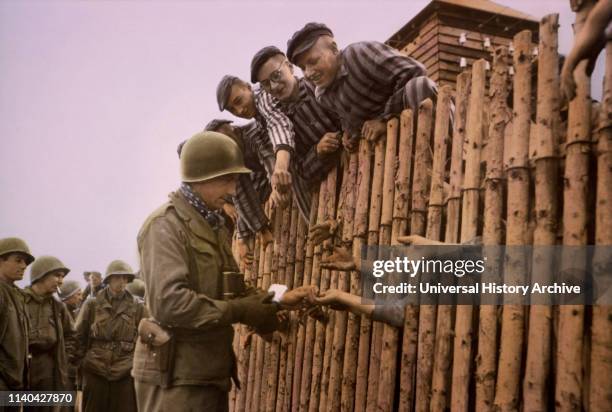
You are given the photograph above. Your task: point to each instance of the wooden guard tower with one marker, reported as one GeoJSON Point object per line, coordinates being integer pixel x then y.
{"type": "Point", "coordinates": [449, 35]}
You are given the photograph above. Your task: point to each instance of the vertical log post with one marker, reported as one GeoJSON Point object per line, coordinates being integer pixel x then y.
{"type": "Point", "coordinates": [568, 391]}
{"type": "Point", "coordinates": [315, 279]}
{"type": "Point", "coordinates": [462, 349]}
{"type": "Point", "coordinates": [324, 278]}
{"type": "Point", "coordinates": [351, 354]}
{"type": "Point", "coordinates": [349, 189]}
{"type": "Point", "coordinates": [517, 171]}
{"type": "Point", "coordinates": [279, 384]}
{"type": "Point", "coordinates": [386, 223]}
{"type": "Point", "coordinates": [365, 350]}
{"type": "Point", "coordinates": [250, 381]}
{"type": "Point", "coordinates": [387, 378]}
{"type": "Point", "coordinates": [418, 220]}
{"type": "Point", "coordinates": [300, 349]}
{"type": "Point", "coordinates": [427, 313]}
{"type": "Point", "coordinates": [442, 359]}
{"type": "Point", "coordinates": [545, 156]}
{"type": "Point", "coordinates": [601, 330]}
{"type": "Point", "coordinates": [298, 280]}
{"type": "Point", "coordinates": [493, 230]}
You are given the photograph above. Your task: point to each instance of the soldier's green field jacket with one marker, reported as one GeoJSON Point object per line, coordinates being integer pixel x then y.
{"type": "Point", "coordinates": [106, 331]}
{"type": "Point", "coordinates": [51, 327]}
{"type": "Point", "coordinates": [182, 260]}
{"type": "Point", "coordinates": [13, 337]}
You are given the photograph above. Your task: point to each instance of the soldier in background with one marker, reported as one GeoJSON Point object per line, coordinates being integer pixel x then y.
{"type": "Point", "coordinates": [51, 326]}
{"type": "Point", "coordinates": [14, 258]}
{"type": "Point", "coordinates": [71, 294]}
{"type": "Point", "coordinates": [137, 289]}
{"type": "Point", "coordinates": [106, 332]}
{"type": "Point", "coordinates": [94, 283]}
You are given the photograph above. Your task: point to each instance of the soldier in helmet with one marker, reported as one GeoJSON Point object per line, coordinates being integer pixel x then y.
{"type": "Point", "coordinates": [185, 257]}
{"type": "Point", "coordinates": [50, 325]}
{"type": "Point", "coordinates": [137, 289]}
{"type": "Point", "coordinates": [106, 334]}
{"type": "Point", "coordinates": [14, 258]}
{"type": "Point", "coordinates": [94, 283]}
{"type": "Point", "coordinates": [71, 294]}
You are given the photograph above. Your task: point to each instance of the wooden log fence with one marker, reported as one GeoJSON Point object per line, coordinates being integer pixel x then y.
{"type": "Point", "coordinates": [487, 176]}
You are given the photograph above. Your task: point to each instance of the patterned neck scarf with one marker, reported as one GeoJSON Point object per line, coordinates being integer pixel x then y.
{"type": "Point", "coordinates": [214, 219]}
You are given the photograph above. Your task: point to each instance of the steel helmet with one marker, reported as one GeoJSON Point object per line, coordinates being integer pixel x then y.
{"type": "Point", "coordinates": [207, 155]}
{"type": "Point", "coordinates": [44, 265]}
{"type": "Point", "coordinates": [118, 267]}
{"type": "Point", "coordinates": [15, 245]}
{"type": "Point", "coordinates": [136, 288]}
{"type": "Point", "coordinates": [68, 289]}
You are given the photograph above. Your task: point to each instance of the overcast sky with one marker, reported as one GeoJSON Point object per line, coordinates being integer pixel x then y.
{"type": "Point", "coordinates": [95, 96]}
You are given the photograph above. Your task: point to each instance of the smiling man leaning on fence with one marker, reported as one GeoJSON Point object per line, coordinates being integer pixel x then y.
{"type": "Point", "coordinates": [366, 83]}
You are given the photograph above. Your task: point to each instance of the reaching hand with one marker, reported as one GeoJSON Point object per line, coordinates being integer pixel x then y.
{"type": "Point", "coordinates": [266, 237]}
{"type": "Point", "coordinates": [230, 211]}
{"type": "Point", "coordinates": [298, 297]}
{"type": "Point", "coordinates": [245, 252]}
{"type": "Point", "coordinates": [329, 143]}
{"type": "Point", "coordinates": [322, 231]}
{"type": "Point", "coordinates": [416, 240]}
{"type": "Point", "coordinates": [373, 130]}
{"type": "Point", "coordinates": [568, 84]}
{"type": "Point", "coordinates": [280, 199]}
{"type": "Point", "coordinates": [349, 143]}
{"type": "Point", "coordinates": [341, 259]}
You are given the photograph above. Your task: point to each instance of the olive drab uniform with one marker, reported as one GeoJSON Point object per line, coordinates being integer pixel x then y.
{"type": "Point", "coordinates": [51, 327]}
{"type": "Point", "coordinates": [106, 331]}
{"type": "Point", "coordinates": [179, 247]}
{"type": "Point", "coordinates": [14, 328]}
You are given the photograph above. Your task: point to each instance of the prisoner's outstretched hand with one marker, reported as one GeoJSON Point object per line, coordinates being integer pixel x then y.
{"type": "Point", "coordinates": [350, 143]}
{"type": "Point", "coordinates": [333, 298]}
{"type": "Point", "coordinates": [323, 231]}
{"type": "Point", "coordinates": [341, 259]}
{"type": "Point", "coordinates": [329, 143]}
{"type": "Point", "coordinates": [416, 240]}
{"type": "Point", "coordinates": [298, 297]}
{"type": "Point", "coordinates": [373, 130]}
{"type": "Point", "coordinates": [245, 252]}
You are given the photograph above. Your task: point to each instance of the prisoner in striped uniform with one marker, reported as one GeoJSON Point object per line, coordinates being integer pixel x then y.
{"type": "Point", "coordinates": [365, 84]}
{"type": "Point", "coordinates": [238, 97]}
{"type": "Point", "coordinates": [313, 142]}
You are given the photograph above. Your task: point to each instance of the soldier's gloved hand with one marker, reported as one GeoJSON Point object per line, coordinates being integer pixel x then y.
{"type": "Point", "coordinates": [257, 311]}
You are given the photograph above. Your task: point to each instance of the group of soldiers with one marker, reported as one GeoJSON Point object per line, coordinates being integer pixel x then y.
{"type": "Point", "coordinates": [52, 340]}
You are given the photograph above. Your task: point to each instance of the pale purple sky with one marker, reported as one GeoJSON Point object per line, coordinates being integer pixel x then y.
{"type": "Point", "coordinates": [95, 96]}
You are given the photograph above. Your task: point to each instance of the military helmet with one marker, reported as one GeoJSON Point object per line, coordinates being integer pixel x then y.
{"type": "Point", "coordinates": [118, 267]}
{"type": "Point", "coordinates": [68, 289]}
{"type": "Point", "coordinates": [44, 265]}
{"type": "Point", "coordinates": [15, 245]}
{"type": "Point", "coordinates": [87, 274]}
{"type": "Point", "coordinates": [207, 155]}
{"type": "Point", "coordinates": [136, 288]}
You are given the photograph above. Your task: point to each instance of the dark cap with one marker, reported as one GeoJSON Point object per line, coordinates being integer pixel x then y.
{"type": "Point", "coordinates": [260, 58]}
{"type": "Point", "coordinates": [215, 124]}
{"type": "Point", "coordinates": [303, 39]}
{"type": "Point", "coordinates": [223, 90]}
